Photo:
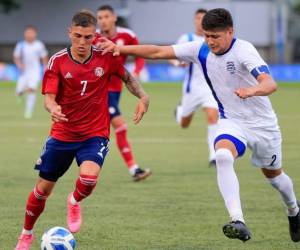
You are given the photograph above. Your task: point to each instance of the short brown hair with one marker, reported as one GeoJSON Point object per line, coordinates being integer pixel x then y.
{"type": "Point", "coordinates": [202, 11]}
{"type": "Point", "coordinates": [84, 18]}
{"type": "Point", "coordinates": [106, 7]}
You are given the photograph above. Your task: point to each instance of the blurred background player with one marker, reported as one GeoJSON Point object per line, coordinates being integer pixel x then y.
{"type": "Point", "coordinates": [27, 56]}
{"type": "Point", "coordinates": [122, 36]}
{"type": "Point", "coordinates": [195, 91]}
{"type": "Point", "coordinates": [75, 86]}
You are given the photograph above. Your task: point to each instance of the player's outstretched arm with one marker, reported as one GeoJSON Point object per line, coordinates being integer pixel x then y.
{"type": "Point", "coordinates": [144, 51]}
{"type": "Point", "coordinates": [134, 86]}
{"type": "Point", "coordinates": [266, 86]}
{"type": "Point", "coordinates": [54, 109]}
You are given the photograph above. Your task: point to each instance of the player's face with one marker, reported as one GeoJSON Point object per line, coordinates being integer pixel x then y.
{"type": "Point", "coordinates": [106, 20]}
{"type": "Point", "coordinates": [219, 41]}
{"type": "Point", "coordinates": [30, 35]}
{"type": "Point", "coordinates": [198, 22]}
{"type": "Point", "coordinates": [81, 39]}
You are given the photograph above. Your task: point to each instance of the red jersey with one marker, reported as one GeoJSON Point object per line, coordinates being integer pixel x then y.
{"type": "Point", "coordinates": [81, 90]}
{"type": "Point", "coordinates": [123, 36]}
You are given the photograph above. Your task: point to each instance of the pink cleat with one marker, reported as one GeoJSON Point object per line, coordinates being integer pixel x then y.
{"type": "Point", "coordinates": [73, 215]}
{"type": "Point", "coordinates": [24, 242]}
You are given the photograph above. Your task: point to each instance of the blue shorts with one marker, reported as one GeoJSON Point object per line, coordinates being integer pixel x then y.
{"type": "Point", "coordinates": [113, 104]}
{"type": "Point", "coordinates": [57, 156]}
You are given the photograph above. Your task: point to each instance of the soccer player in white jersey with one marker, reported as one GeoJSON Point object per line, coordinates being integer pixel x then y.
{"type": "Point", "coordinates": [240, 82]}
{"type": "Point", "coordinates": [27, 56]}
{"type": "Point", "coordinates": [195, 92]}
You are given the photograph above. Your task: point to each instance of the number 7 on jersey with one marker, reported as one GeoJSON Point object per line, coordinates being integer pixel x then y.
{"type": "Point", "coordinates": [84, 83]}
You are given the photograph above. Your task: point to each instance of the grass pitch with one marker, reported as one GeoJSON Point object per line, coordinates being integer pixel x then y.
{"type": "Point", "coordinates": [179, 207]}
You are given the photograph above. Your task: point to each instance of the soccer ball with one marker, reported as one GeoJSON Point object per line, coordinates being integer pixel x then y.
{"type": "Point", "coordinates": [58, 238]}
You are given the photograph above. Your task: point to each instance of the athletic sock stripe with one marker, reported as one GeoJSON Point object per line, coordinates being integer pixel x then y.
{"type": "Point", "coordinates": [121, 128]}
{"type": "Point", "coordinates": [88, 182]}
{"type": "Point", "coordinates": [38, 195]}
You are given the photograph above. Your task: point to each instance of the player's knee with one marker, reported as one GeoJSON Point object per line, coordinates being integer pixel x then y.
{"type": "Point", "coordinates": [224, 157]}
{"type": "Point", "coordinates": [270, 174]}
{"type": "Point", "coordinates": [86, 184]}
{"type": "Point", "coordinates": [185, 121]}
{"type": "Point", "coordinates": [184, 124]}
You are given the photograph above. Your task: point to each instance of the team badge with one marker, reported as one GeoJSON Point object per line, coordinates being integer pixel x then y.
{"type": "Point", "coordinates": [99, 71]}
{"type": "Point", "coordinates": [230, 67]}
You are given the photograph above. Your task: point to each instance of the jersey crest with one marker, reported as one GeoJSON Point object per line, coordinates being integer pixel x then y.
{"type": "Point", "coordinates": [99, 71]}
{"type": "Point", "coordinates": [230, 67]}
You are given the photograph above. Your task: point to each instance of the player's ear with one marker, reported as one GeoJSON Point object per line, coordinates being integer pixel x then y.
{"type": "Point", "coordinates": [69, 32]}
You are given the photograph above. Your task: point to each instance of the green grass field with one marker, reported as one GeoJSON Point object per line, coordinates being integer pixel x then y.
{"type": "Point", "coordinates": [179, 207]}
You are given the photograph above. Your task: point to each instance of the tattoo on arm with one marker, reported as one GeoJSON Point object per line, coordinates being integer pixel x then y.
{"type": "Point", "coordinates": [133, 85]}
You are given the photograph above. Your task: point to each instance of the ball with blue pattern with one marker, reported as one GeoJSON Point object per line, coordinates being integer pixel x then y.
{"type": "Point", "coordinates": [58, 238]}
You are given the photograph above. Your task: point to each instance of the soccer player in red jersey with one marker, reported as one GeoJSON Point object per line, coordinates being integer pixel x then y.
{"type": "Point", "coordinates": [107, 23]}
{"type": "Point", "coordinates": [75, 86]}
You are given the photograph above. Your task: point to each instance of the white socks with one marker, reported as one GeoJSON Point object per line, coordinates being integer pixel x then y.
{"type": "Point", "coordinates": [284, 185]}
{"type": "Point", "coordinates": [178, 114]}
{"type": "Point", "coordinates": [30, 102]}
{"type": "Point", "coordinates": [27, 232]}
{"type": "Point", "coordinates": [229, 184]}
{"type": "Point", "coordinates": [73, 201]}
{"type": "Point", "coordinates": [133, 168]}
{"type": "Point", "coordinates": [211, 132]}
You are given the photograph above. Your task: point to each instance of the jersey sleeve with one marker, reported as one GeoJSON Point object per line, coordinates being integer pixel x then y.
{"type": "Point", "coordinates": [250, 58]}
{"type": "Point", "coordinates": [118, 68]}
{"type": "Point", "coordinates": [187, 52]}
{"type": "Point", "coordinates": [43, 50]}
{"type": "Point", "coordinates": [18, 50]}
{"type": "Point", "coordinates": [51, 78]}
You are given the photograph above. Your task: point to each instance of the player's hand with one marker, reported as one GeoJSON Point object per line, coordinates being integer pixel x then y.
{"type": "Point", "coordinates": [107, 45]}
{"type": "Point", "coordinates": [141, 109]}
{"type": "Point", "coordinates": [244, 92]}
{"type": "Point", "coordinates": [57, 115]}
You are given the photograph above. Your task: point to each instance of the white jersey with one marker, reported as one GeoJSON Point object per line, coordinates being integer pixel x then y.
{"type": "Point", "coordinates": [30, 55]}
{"type": "Point", "coordinates": [194, 80]}
{"type": "Point", "coordinates": [238, 67]}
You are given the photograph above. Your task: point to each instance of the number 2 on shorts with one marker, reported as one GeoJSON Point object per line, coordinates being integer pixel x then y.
{"type": "Point", "coordinates": [274, 159]}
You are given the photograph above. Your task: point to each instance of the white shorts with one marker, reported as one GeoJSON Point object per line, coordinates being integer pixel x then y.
{"type": "Point", "coordinates": [27, 81]}
{"type": "Point", "coordinates": [191, 101]}
{"type": "Point", "coordinates": [265, 143]}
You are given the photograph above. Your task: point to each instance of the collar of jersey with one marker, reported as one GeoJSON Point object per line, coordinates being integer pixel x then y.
{"type": "Point", "coordinates": [232, 42]}
{"type": "Point", "coordinates": [74, 60]}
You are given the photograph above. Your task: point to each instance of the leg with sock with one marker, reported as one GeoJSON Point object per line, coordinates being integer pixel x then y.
{"type": "Point", "coordinates": [84, 187]}
{"type": "Point", "coordinates": [124, 146]}
{"type": "Point", "coordinates": [34, 207]}
{"type": "Point", "coordinates": [211, 131]}
{"type": "Point", "coordinates": [30, 103]}
{"type": "Point", "coordinates": [283, 183]}
{"type": "Point", "coordinates": [229, 187]}
{"type": "Point", "coordinates": [212, 117]}
{"type": "Point", "coordinates": [125, 150]}
{"type": "Point", "coordinates": [228, 183]}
